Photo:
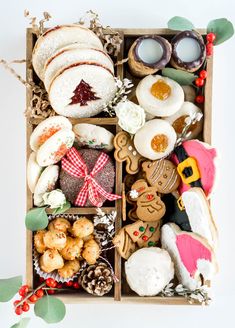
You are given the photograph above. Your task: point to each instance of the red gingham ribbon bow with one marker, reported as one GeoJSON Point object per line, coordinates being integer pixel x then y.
{"type": "Point", "coordinates": [75, 166]}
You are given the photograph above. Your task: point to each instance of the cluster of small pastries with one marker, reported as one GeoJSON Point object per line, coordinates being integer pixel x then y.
{"type": "Point", "coordinates": [63, 246]}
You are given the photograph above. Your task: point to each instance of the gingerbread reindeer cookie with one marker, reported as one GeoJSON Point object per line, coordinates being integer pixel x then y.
{"type": "Point", "coordinates": [125, 151]}
{"type": "Point", "coordinates": [149, 205]}
{"type": "Point", "coordinates": [162, 174]}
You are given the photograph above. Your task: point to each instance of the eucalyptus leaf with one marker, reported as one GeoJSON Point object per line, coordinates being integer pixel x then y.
{"type": "Point", "coordinates": [222, 28]}
{"type": "Point", "coordinates": [63, 209]}
{"type": "Point", "coordinates": [50, 309]}
{"type": "Point", "coordinates": [180, 24]}
{"type": "Point", "coordinates": [23, 323]}
{"type": "Point", "coordinates": [182, 77]}
{"type": "Point", "coordinates": [9, 287]}
{"type": "Point", "coordinates": [36, 219]}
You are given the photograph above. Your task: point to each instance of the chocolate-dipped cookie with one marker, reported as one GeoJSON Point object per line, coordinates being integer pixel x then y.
{"type": "Point", "coordinates": [148, 54]}
{"type": "Point", "coordinates": [188, 51]}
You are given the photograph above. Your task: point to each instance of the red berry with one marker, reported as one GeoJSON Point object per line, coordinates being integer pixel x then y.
{"type": "Point", "coordinates": [203, 74]}
{"type": "Point", "coordinates": [200, 99]}
{"type": "Point", "coordinates": [211, 37]}
{"type": "Point", "coordinates": [50, 282]}
{"type": "Point", "coordinates": [69, 283]}
{"type": "Point", "coordinates": [51, 291]}
{"type": "Point", "coordinates": [16, 302]}
{"type": "Point", "coordinates": [199, 82]}
{"type": "Point", "coordinates": [59, 285]}
{"type": "Point", "coordinates": [25, 307]}
{"type": "Point", "coordinates": [41, 279]}
{"type": "Point", "coordinates": [18, 310]}
{"type": "Point", "coordinates": [33, 298]}
{"type": "Point", "coordinates": [209, 49]}
{"type": "Point", "coordinates": [76, 285]}
{"type": "Point", "coordinates": [39, 293]}
{"type": "Point", "coordinates": [23, 290]}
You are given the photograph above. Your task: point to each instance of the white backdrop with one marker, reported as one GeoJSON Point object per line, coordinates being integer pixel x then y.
{"type": "Point", "coordinates": [121, 13]}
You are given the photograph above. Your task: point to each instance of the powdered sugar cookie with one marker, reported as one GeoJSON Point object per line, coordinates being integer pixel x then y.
{"type": "Point", "coordinates": [55, 147]}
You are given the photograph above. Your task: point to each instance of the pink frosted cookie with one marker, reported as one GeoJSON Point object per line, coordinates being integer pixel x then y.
{"type": "Point", "coordinates": [199, 161]}
{"type": "Point", "coordinates": [193, 257]}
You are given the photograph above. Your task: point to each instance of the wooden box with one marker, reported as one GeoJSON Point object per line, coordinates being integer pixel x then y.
{"type": "Point", "coordinates": [121, 291]}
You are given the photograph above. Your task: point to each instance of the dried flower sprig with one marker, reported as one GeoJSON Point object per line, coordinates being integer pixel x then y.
{"type": "Point", "coordinates": [123, 89]}
{"type": "Point", "coordinates": [189, 121]}
{"type": "Point", "coordinates": [200, 294]}
{"type": "Point", "coordinates": [111, 39]}
{"type": "Point", "coordinates": [38, 28]}
{"type": "Point", "coordinates": [104, 226]}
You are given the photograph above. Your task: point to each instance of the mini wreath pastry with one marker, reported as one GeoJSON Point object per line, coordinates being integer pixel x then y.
{"type": "Point", "coordinates": [155, 140]}
{"type": "Point", "coordinates": [82, 89]}
{"type": "Point", "coordinates": [73, 54]}
{"type": "Point", "coordinates": [188, 51]}
{"type": "Point", "coordinates": [178, 120]}
{"type": "Point", "coordinates": [58, 37]}
{"type": "Point", "coordinates": [93, 136]}
{"type": "Point", "coordinates": [149, 270]}
{"type": "Point", "coordinates": [159, 95]}
{"type": "Point", "coordinates": [98, 169]}
{"type": "Point", "coordinates": [148, 54]}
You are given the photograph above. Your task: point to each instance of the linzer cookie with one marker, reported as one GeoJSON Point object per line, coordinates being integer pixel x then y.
{"type": "Point", "coordinates": [149, 205]}
{"type": "Point", "coordinates": [162, 174]}
{"type": "Point", "coordinates": [126, 151]}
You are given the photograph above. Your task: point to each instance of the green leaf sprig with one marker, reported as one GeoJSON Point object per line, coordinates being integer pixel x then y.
{"type": "Point", "coordinates": [182, 77]}
{"type": "Point", "coordinates": [36, 219]}
{"type": "Point", "coordinates": [9, 287]}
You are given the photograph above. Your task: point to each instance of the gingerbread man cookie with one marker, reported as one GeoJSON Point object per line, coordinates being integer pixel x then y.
{"type": "Point", "coordinates": [149, 204]}
{"type": "Point", "coordinates": [136, 235]}
{"type": "Point", "coordinates": [125, 151]}
{"type": "Point", "coordinates": [162, 174]}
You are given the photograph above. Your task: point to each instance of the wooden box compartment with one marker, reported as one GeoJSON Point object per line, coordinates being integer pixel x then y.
{"type": "Point", "coordinates": [121, 290]}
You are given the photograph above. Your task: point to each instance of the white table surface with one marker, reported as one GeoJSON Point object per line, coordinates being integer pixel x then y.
{"type": "Point", "coordinates": [132, 13]}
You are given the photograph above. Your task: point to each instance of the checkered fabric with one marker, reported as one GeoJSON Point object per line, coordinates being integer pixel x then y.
{"type": "Point", "coordinates": [74, 165]}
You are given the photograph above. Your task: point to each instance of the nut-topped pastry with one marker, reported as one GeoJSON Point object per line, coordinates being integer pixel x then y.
{"type": "Point", "coordinates": [72, 248]}
{"type": "Point", "coordinates": [59, 224]}
{"type": "Point", "coordinates": [69, 269]}
{"type": "Point", "coordinates": [82, 227]}
{"type": "Point", "coordinates": [51, 260]}
{"type": "Point", "coordinates": [55, 239]}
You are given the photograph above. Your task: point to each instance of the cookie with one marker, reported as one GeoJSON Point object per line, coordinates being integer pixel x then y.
{"type": "Point", "coordinates": [145, 234]}
{"type": "Point", "coordinates": [159, 96]}
{"type": "Point", "coordinates": [162, 174]}
{"type": "Point", "coordinates": [93, 136]}
{"type": "Point", "coordinates": [33, 171]}
{"type": "Point", "coordinates": [149, 204]}
{"type": "Point", "coordinates": [149, 270]}
{"type": "Point", "coordinates": [126, 151]}
{"type": "Point", "coordinates": [193, 257]}
{"type": "Point", "coordinates": [196, 163]}
{"type": "Point", "coordinates": [155, 140]}
{"type": "Point", "coordinates": [124, 244]}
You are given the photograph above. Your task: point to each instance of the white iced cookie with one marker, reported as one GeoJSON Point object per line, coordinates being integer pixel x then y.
{"type": "Point", "coordinates": [199, 214]}
{"type": "Point", "coordinates": [73, 54]}
{"type": "Point", "coordinates": [159, 95]}
{"type": "Point", "coordinates": [82, 90]}
{"type": "Point", "coordinates": [193, 257]}
{"type": "Point", "coordinates": [45, 183]}
{"type": "Point", "coordinates": [55, 147]}
{"type": "Point", "coordinates": [46, 129]}
{"type": "Point", "coordinates": [58, 37]}
{"type": "Point", "coordinates": [93, 136]}
{"type": "Point", "coordinates": [33, 171]}
{"type": "Point", "coordinates": [149, 270]}
{"type": "Point", "coordinates": [178, 120]}
{"type": "Point", "coordinates": [155, 140]}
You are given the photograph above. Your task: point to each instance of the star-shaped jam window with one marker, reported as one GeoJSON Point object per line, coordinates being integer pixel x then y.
{"type": "Point", "coordinates": [82, 94]}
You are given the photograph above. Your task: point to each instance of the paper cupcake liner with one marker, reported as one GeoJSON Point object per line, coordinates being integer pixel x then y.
{"type": "Point", "coordinates": [55, 275]}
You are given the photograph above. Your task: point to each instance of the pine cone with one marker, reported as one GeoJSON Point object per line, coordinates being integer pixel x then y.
{"type": "Point", "coordinates": [97, 279]}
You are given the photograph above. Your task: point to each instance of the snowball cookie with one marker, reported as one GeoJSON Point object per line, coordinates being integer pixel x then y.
{"type": "Point", "coordinates": [58, 37]}
{"type": "Point", "coordinates": [55, 147]}
{"type": "Point", "coordinates": [73, 54]}
{"type": "Point", "coordinates": [155, 140]}
{"type": "Point", "coordinates": [33, 171]}
{"type": "Point", "coordinates": [93, 136]}
{"type": "Point", "coordinates": [159, 95]}
{"type": "Point", "coordinates": [187, 110]}
{"type": "Point", "coordinates": [46, 129]}
{"type": "Point", "coordinates": [82, 90]}
{"type": "Point", "coordinates": [149, 270]}
{"type": "Point", "coordinates": [45, 183]}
